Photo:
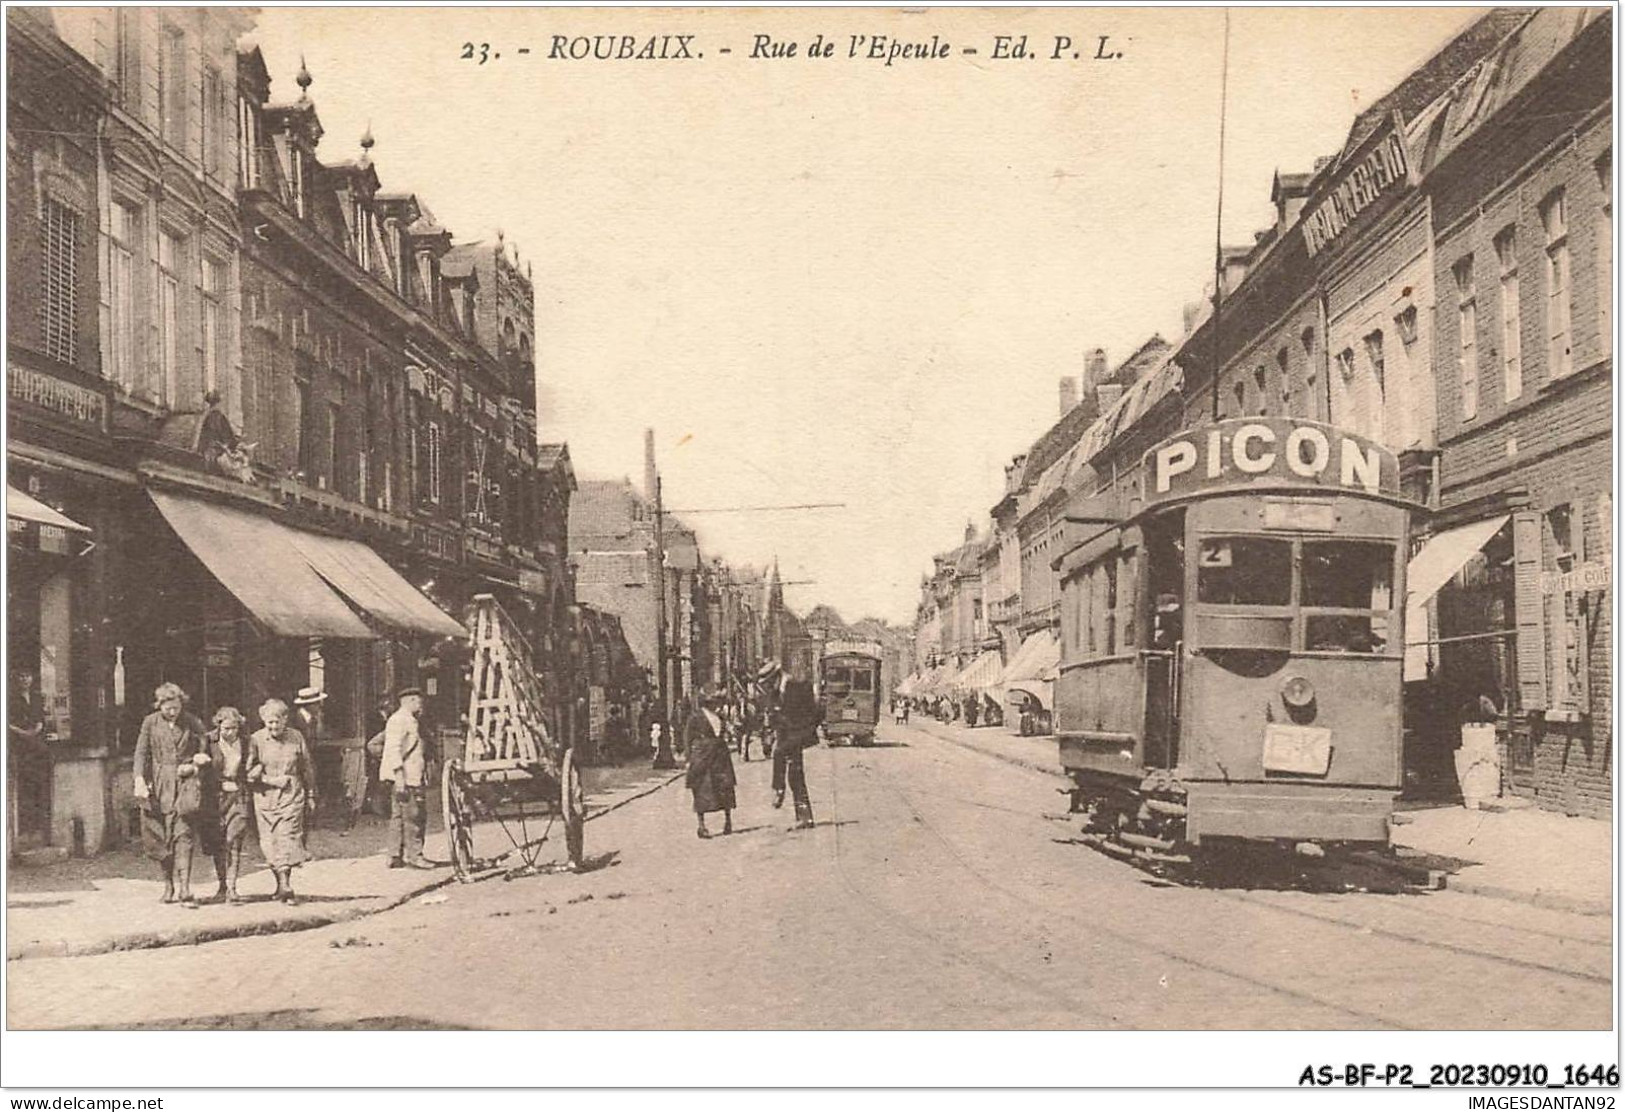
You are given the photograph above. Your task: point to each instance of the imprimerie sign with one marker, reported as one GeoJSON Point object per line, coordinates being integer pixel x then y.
{"type": "Point", "coordinates": [1382, 167]}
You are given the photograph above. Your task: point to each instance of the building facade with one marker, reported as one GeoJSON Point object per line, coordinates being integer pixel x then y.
{"type": "Point", "coordinates": [260, 425]}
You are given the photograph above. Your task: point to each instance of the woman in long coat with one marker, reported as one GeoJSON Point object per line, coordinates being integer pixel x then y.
{"type": "Point", "coordinates": [284, 778]}
{"type": "Point", "coordinates": [227, 801]}
{"type": "Point", "coordinates": [168, 780]}
{"type": "Point", "coordinates": [710, 765]}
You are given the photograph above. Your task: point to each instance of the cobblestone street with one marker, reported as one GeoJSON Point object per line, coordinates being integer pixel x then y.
{"type": "Point", "coordinates": [934, 893]}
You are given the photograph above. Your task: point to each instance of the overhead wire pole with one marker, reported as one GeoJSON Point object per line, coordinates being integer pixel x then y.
{"type": "Point", "coordinates": [1218, 220]}
{"type": "Point", "coordinates": [663, 754]}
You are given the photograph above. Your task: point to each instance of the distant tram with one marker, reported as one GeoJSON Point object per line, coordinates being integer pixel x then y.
{"type": "Point", "coordinates": [849, 690]}
{"type": "Point", "coordinates": [1233, 644]}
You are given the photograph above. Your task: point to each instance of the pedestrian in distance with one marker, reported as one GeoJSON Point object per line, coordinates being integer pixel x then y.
{"type": "Point", "coordinates": [167, 769]}
{"type": "Point", "coordinates": [284, 778]}
{"type": "Point", "coordinates": [403, 764]}
{"type": "Point", "coordinates": [227, 800]}
{"type": "Point", "coordinates": [710, 774]}
{"type": "Point", "coordinates": [306, 718]}
{"type": "Point", "coordinates": [800, 715]}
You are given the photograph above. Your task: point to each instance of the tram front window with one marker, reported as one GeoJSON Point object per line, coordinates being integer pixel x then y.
{"type": "Point", "coordinates": [1244, 571]}
{"type": "Point", "coordinates": [1347, 575]}
{"type": "Point", "coordinates": [860, 680]}
{"type": "Point", "coordinates": [1350, 575]}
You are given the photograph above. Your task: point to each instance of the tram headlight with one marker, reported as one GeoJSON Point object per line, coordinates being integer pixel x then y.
{"type": "Point", "coordinates": [1298, 693]}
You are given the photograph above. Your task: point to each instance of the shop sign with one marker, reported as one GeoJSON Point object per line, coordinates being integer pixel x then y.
{"type": "Point", "coordinates": [1272, 452]}
{"type": "Point", "coordinates": [59, 396]}
{"type": "Point", "coordinates": [1587, 577]}
{"type": "Point", "coordinates": [1373, 175]}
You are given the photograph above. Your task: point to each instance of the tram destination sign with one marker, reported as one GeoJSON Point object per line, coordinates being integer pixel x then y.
{"type": "Point", "coordinates": [1267, 452]}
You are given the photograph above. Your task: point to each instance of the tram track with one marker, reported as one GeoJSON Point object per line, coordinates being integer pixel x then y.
{"type": "Point", "coordinates": [1353, 926]}
{"type": "Point", "coordinates": [1363, 928]}
{"type": "Point", "coordinates": [946, 945]}
{"type": "Point", "coordinates": [1366, 1019]}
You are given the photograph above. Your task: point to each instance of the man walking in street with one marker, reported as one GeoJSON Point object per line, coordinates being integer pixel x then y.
{"type": "Point", "coordinates": [403, 764]}
{"type": "Point", "coordinates": [799, 718]}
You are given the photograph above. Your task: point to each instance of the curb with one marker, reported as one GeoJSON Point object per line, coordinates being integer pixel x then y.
{"type": "Point", "coordinates": [1551, 901]}
{"type": "Point", "coordinates": [199, 935]}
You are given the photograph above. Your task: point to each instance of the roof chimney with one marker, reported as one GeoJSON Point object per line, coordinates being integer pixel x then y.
{"type": "Point", "coordinates": [650, 475]}
{"type": "Point", "coordinates": [970, 531]}
{"type": "Point", "coordinates": [1094, 368]}
{"type": "Point", "coordinates": [1069, 394]}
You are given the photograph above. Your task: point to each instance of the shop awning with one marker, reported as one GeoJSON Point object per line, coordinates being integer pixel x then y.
{"type": "Point", "coordinates": [25, 507]}
{"type": "Point", "coordinates": [982, 673]}
{"type": "Point", "coordinates": [1443, 555]}
{"type": "Point", "coordinates": [255, 559]}
{"type": "Point", "coordinates": [360, 575]}
{"type": "Point", "coordinates": [1041, 690]}
{"type": "Point", "coordinates": [1038, 658]}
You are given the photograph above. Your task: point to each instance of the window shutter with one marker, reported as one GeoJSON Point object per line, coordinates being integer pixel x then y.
{"type": "Point", "coordinates": [1530, 609]}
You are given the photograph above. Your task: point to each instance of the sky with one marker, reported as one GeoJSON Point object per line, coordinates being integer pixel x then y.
{"type": "Point", "coordinates": [827, 279]}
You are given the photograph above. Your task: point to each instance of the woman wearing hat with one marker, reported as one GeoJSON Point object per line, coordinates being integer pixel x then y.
{"type": "Point", "coordinates": [710, 766]}
{"type": "Point", "coordinates": [280, 769]}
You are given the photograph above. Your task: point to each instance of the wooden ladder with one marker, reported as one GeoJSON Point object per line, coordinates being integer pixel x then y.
{"type": "Point", "coordinates": [506, 726]}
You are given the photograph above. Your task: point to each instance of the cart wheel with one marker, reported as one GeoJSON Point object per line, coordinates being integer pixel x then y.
{"type": "Point", "coordinates": [459, 818]}
{"type": "Point", "coordinates": [572, 807]}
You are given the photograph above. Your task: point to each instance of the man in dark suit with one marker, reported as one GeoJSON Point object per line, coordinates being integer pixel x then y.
{"type": "Point", "coordinates": [799, 717]}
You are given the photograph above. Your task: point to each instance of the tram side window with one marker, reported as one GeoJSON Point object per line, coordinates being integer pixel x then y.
{"type": "Point", "coordinates": [1244, 571]}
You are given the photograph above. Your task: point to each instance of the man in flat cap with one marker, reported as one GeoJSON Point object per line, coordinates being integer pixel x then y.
{"type": "Point", "coordinates": [403, 764]}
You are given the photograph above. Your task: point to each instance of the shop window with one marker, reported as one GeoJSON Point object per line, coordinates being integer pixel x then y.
{"type": "Point", "coordinates": [59, 286]}
{"type": "Point", "coordinates": [1249, 571]}
{"type": "Point", "coordinates": [1466, 336]}
{"type": "Point", "coordinates": [1506, 255]}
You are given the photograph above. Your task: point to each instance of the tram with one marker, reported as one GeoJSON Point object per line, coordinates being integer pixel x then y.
{"type": "Point", "coordinates": [1232, 644]}
{"type": "Point", "coordinates": [849, 691]}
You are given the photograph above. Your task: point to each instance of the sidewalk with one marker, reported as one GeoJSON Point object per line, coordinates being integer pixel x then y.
{"type": "Point", "coordinates": [110, 902]}
{"type": "Point", "coordinates": [1523, 854]}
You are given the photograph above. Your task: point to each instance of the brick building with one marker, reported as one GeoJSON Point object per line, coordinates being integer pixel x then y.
{"type": "Point", "coordinates": [1520, 179]}
{"type": "Point", "coordinates": [260, 439]}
